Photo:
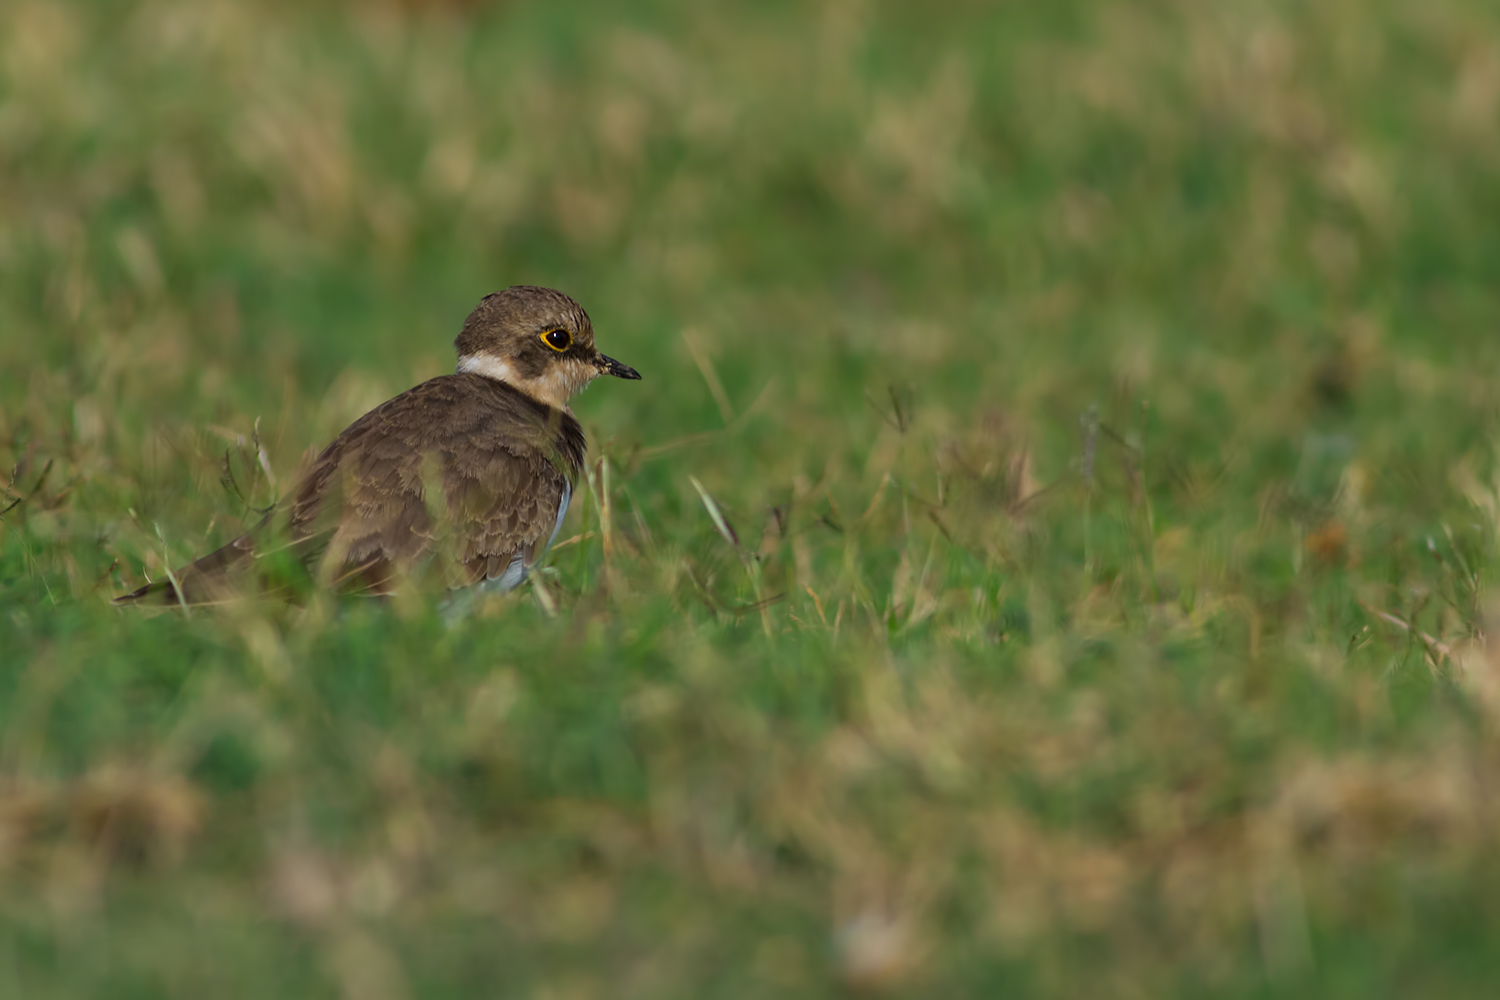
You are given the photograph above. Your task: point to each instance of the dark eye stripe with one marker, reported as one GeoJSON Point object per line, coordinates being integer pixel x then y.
{"type": "Point", "coordinates": [558, 340]}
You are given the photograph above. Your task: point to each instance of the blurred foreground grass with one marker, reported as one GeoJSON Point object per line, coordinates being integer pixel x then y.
{"type": "Point", "coordinates": [1103, 395]}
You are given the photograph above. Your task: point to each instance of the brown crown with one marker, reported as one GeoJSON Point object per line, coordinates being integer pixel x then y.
{"type": "Point", "coordinates": [508, 323]}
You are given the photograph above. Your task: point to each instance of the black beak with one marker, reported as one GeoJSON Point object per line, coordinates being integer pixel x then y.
{"type": "Point", "coordinates": [610, 366]}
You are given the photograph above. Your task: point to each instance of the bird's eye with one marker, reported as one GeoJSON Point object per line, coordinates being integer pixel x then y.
{"type": "Point", "coordinates": [559, 340]}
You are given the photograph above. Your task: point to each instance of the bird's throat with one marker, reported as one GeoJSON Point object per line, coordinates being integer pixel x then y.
{"type": "Point", "coordinates": [554, 388]}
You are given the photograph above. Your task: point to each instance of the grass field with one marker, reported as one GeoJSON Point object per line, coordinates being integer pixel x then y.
{"type": "Point", "coordinates": [1102, 396]}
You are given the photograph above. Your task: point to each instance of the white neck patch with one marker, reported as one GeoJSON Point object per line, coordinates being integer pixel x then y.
{"type": "Point", "coordinates": [489, 366]}
{"type": "Point", "coordinates": [553, 388]}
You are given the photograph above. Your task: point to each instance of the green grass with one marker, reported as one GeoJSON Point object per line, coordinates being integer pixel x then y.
{"type": "Point", "coordinates": [1103, 395]}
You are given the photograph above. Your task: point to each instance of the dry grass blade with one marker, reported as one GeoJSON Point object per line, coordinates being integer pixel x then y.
{"type": "Point", "coordinates": [171, 575]}
{"type": "Point", "coordinates": [761, 402]}
{"type": "Point", "coordinates": [573, 540]}
{"type": "Point", "coordinates": [543, 593]}
{"type": "Point", "coordinates": [657, 450]}
{"type": "Point", "coordinates": [1435, 649]}
{"type": "Point", "coordinates": [41, 481]}
{"type": "Point", "coordinates": [706, 367]}
{"type": "Point", "coordinates": [757, 606]}
{"type": "Point", "coordinates": [721, 523]}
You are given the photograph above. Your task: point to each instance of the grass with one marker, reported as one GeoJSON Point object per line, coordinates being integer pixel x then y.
{"type": "Point", "coordinates": [1098, 398]}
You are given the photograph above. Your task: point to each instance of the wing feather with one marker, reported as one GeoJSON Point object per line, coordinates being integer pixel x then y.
{"type": "Point", "coordinates": [463, 468]}
{"type": "Point", "coordinates": [501, 461]}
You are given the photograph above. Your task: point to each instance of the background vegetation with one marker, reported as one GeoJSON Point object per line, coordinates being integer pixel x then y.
{"type": "Point", "coordinates": [1102, 397]}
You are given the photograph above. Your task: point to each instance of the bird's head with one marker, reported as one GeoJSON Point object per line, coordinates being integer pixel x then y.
{"type": "Point", "coordinates": [537, 340]}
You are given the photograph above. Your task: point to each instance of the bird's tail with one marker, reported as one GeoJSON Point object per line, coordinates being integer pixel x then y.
{"type": "Point", "coordinates": [205, 581]}
{"type": "Point", "coordinates": [161, 591]}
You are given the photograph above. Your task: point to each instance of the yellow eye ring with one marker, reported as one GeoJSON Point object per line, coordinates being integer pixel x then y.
{"type": "Point", "coordinates": [559, 340]}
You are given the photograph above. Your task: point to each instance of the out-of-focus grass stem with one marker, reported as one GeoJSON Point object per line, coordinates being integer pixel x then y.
{"type": "Point", "coordinates": [1089, 423]}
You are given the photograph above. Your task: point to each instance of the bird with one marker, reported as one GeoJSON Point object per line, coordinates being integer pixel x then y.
{"type": "Point", "coordinates": [471, 471]}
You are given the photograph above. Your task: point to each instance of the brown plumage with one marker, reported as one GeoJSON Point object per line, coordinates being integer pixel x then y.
{"type": "Point", "coordinates": [470, 473]}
